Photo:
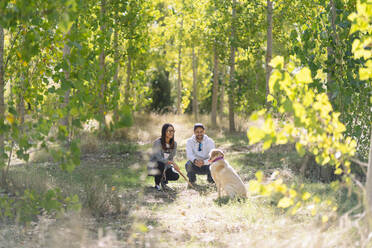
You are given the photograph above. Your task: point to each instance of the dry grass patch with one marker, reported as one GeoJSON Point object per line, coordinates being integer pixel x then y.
{"type": "Point", "coordinates": [197, 219]}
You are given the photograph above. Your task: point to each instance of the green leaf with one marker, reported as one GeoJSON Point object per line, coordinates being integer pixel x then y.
{"type": "Point", "coordinates": [304, 76]}
{"type": "Point", "coordinates": [254, 187]}
{"type": "Point", "coordinates": [338, 171]}
{"type": "Point", "coordinates": [305, 196]}
{"type": "Point", "coordinates": [300, 149]}
{"type": "Point", "coordinates": [285, 202]}
{"type": "Point", "coordinates": [259, 175]}
{"type": "Point", "coordinates": [255, 135]}
{"type": "Point", "coordinates": [267, 144]}
{"type": "Point", "coordinates": [277, 62]}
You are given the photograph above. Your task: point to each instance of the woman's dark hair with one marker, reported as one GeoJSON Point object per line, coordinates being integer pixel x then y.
{"type": "Point", "coordinates": [163, 132]}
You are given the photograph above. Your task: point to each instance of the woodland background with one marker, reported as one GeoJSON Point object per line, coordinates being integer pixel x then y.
{"type": "Point", "coordinates": [83, 83]}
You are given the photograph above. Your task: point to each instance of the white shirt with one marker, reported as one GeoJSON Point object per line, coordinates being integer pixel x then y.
{"type": "Point", "coordinates": [166, 154]}
{"type": "Point", "coordinates": [192, 149]}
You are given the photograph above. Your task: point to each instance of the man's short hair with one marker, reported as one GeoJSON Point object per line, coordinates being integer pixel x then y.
{"type": "Point", "coordinates": [198, 125]}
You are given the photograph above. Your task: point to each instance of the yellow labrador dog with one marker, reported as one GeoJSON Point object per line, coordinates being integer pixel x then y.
{"type": "Point", "coordinates": [225, 176]}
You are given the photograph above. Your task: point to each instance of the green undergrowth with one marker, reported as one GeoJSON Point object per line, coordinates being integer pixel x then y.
{"type": "Point", "coordinates": [112, 186]}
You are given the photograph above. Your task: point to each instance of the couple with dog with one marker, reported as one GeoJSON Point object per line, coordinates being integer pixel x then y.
{"type": "Point", "coordinates": [164, 149]}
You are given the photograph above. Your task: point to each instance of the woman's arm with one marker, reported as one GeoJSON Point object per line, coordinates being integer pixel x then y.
{"type": "Point", "coordinates": [157, 152]}
{"type": "Point", "coordinates": [173, 152]}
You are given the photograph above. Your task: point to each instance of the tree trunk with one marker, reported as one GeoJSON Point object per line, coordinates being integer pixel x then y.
{"type": "Point", "coordinates": [325, 171]}
{"type": "Point", "coordinates": [21, 103]}
{"type": "Point", "coordinates": [331, 56]}
{"type": "Point", "coordinates": [222, 97]}
{"type": "Point", "coordinates": [215, 88]}
{"type": "Point", "coordinates": [117, 66]}
{"type": "Point", "coordinates": [66, 53]}
{"type": "Point", "coordinates": [102, 78]}
{"type": "Point", "coordinates": [258, 64]}
{"type": "Point", "coordinates": [232, 70]}
{"type": "Point", "coordinates": [195, 84]}
{"type": "Point", "coordinates": [128, 84]}
{"type": "Point", "coordinates": [2, 104]}
{"type": "Point", "coordinates": [179, 81]}
{"type": "Point", "coordinates": [269, 49]}
{"type": "Point", "coordinates": [369, 178]}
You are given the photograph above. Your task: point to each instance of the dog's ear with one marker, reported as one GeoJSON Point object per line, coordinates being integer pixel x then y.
{"type": "Point", "coordinates": [212, 153]}
{"type": "Point", "coordinates": [221, 152]}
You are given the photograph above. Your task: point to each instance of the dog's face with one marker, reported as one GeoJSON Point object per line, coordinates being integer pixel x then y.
{"type": "Point", "coordinates": [215, 153]}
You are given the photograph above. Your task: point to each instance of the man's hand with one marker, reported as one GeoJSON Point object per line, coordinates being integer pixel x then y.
{"type": "Point", "coordinates": [199, 162]}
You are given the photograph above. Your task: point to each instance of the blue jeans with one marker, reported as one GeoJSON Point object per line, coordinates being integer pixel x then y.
{"type": "Point", "coordinates": [193, 170]}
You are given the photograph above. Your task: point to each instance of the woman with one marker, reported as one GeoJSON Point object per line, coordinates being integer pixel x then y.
{"type": "Point", "coordinates": [162, 166]}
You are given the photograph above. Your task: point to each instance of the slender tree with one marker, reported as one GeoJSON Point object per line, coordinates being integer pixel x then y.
{"type": "Point", "coordinates": [222, 94]}
{"type": "Point", "coordinates": [269, 45]}
{"type": "Point", "coordinates": [2, 104]}
{"type": "Point", "coordinates": [179, 70]}
{"type": "Point", "coordinates": [232, 69]}
{"type": "Point", "coordinates": [129, 81]}
{"type": "Point", "coordinates": [66, 70]}
{"type": "Point", "coordinates": [102, 65]}
{"type": "Point", "coordinates": [215, 87]}
{"type": "Point", "coordinates": [116, 64]}
{"type": "Point", "coordinates": [195, 84]}
{"type": "Point", "coordinates": [369, 177]}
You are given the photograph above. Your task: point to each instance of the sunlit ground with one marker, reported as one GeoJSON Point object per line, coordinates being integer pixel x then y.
{"type": "Point", "coordinates": [122, 209]}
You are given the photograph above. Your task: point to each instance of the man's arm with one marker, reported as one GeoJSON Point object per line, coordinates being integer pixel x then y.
{"type": "Point", "coordinates": [189, 153]}
{"type": "Point", "coordinates": [211, 146]}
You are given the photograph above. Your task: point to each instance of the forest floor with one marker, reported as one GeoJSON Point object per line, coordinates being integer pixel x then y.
{"type": "Point", "coordinates": [122, 209]}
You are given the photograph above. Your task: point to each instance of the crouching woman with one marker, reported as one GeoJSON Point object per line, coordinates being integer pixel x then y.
{"type": "Point", "coordinates": [161, 165]}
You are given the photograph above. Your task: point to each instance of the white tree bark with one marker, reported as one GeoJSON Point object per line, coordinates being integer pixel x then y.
{"type": "Point", "coordinates": [269, 48]}
{"type": "Point", "coordinates": [2, 104]}
{"type": "Point", "coordinates": [232, 69]}
{"type": "Point", "coordinates": [369, 178]}
{"type": "Point", "coordinates": [195, 84]}
{"type": "Point", "coordinates": [102, 65]}
{"type": "Point", "coordinates": [215, 88]}
{"type": "Point", "coordinates": [179, 80]}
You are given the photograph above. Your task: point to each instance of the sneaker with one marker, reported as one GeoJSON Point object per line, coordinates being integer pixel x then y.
{"type": "Point", "coordinates": [164, 185]}
{"type": "Point", "coordinates": [192, 186]}
{"type": "Point", "coordinates": [157, 187]}
{"type": "Point", "coordinates": [210, 180]}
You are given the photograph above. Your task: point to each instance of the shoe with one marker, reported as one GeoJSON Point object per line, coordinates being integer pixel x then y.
{"type": "Point", "coordinates": [192, 186]}
{"type": "Point", "coordinates": [164, 185]}
{"type": "Point", "coordinates": [157, 187]}
{"type": "Point", "coordinates": [210, 180]}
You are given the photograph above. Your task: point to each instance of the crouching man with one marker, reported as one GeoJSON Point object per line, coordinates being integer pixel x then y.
{"type": "Point", "coordinates": [197, 152]}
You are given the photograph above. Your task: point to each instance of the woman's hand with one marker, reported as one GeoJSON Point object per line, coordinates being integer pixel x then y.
{"type": "Point", "coordinates": [175, 166]}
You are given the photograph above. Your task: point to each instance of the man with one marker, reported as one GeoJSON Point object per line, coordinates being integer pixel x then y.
{"type": "Point", "coordinates": [197, 152]}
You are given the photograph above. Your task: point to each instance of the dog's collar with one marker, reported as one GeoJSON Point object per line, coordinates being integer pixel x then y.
{"type": "Point", "coordinates": [216, 159]}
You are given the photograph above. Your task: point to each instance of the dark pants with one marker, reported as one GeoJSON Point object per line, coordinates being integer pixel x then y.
{"type": "Point", "coordinates": [169, 174]}
{"type": "Point", "coordinates": [193, 170]}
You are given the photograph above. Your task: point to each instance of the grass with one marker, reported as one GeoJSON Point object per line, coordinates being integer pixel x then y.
{"type": "Point", "coordinates": [121, 208]}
